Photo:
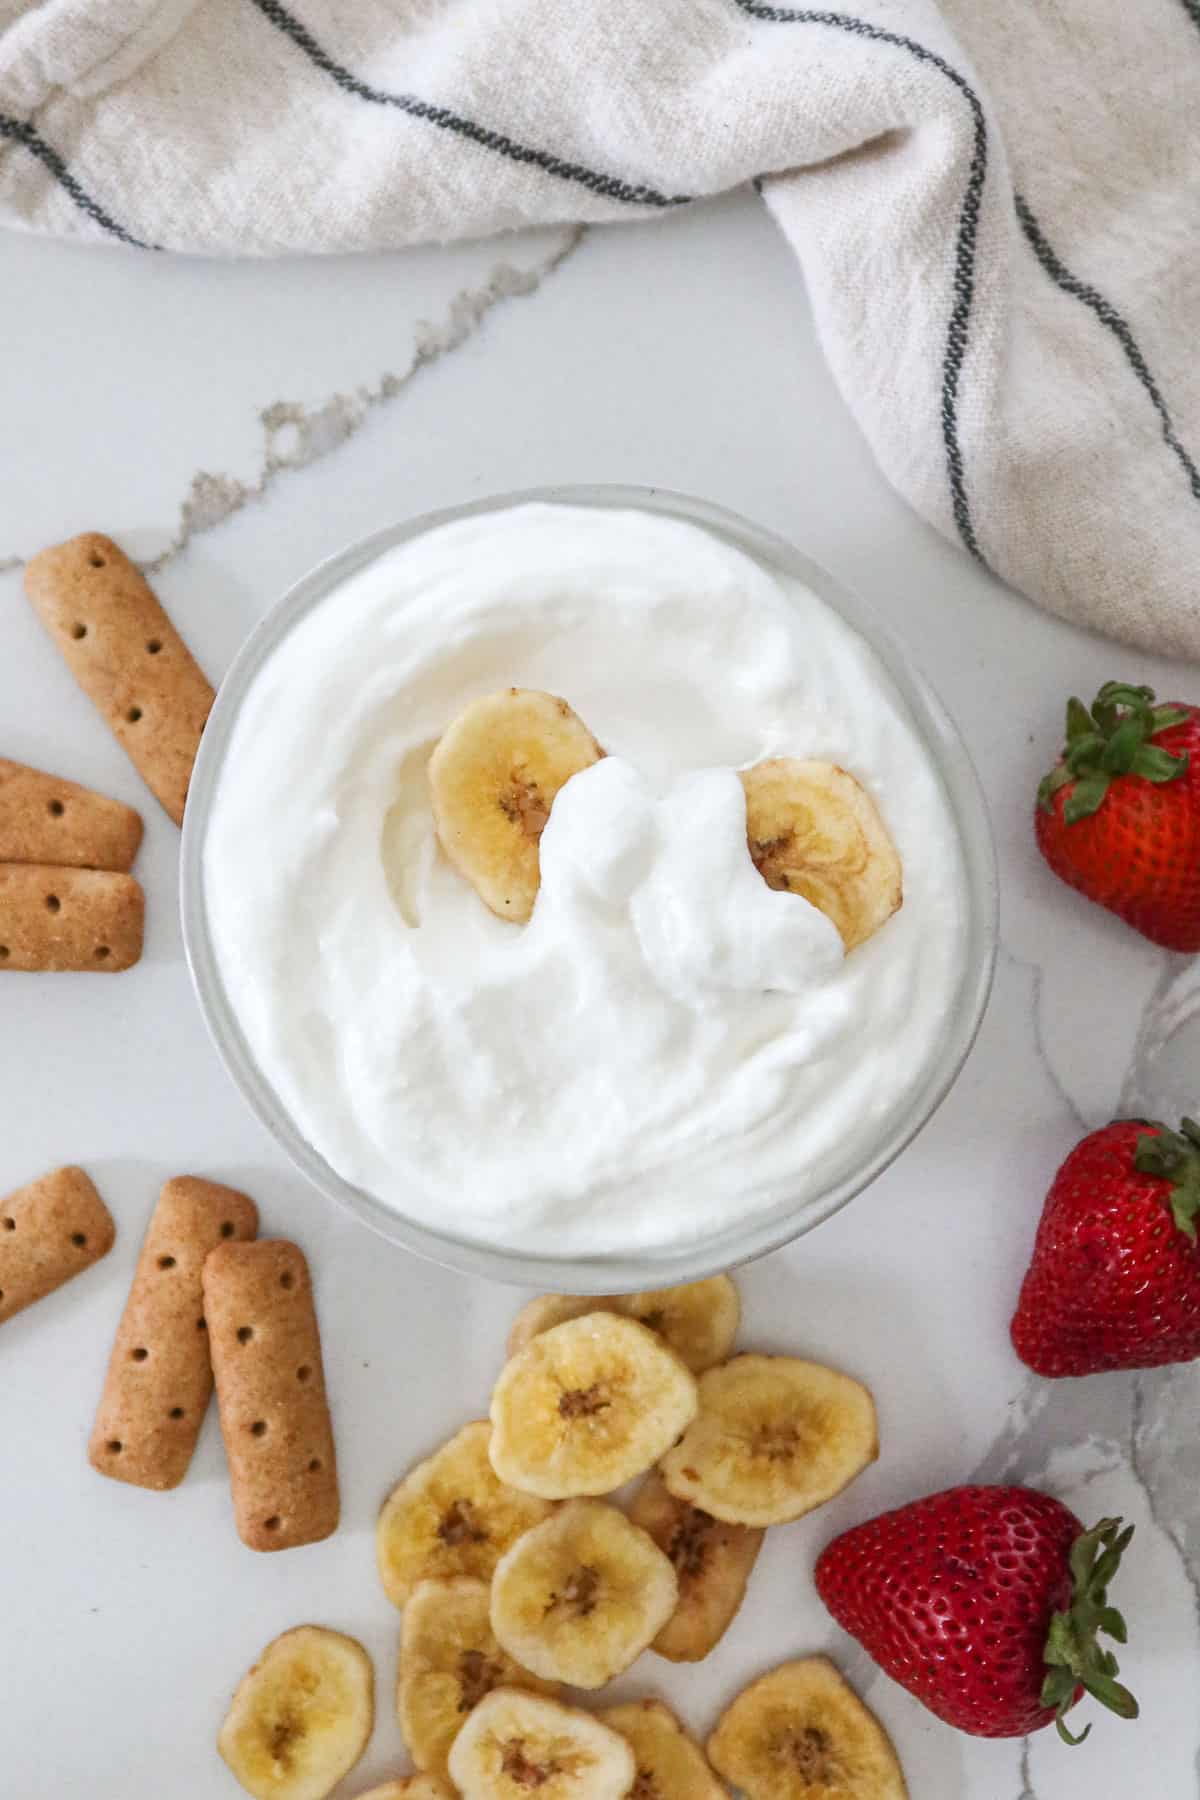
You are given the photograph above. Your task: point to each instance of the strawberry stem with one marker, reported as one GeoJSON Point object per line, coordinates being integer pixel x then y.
{"type": "Point", "coordinates": [1175, 1157]}
{"type": "Point", "coordinates": [1112, 738]}
{"type": "Point", "coordinates": [1073, 1657]}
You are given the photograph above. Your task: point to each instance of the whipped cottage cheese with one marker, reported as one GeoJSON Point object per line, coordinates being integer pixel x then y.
{"type": "Point", "coordinates": [668, 1047]}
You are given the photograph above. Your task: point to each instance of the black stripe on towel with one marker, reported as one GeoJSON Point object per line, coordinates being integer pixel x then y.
{"type": "Point", "coordinates": [1192, 9]}
{"type": "Point", "coordinates": [968, 226]}
{"type": "Point", "coordinates": [611, 187]}
{"type": "Point", "coordinates": [18, 131]}
{"type": "Point", "coordinates": [1108, 315]}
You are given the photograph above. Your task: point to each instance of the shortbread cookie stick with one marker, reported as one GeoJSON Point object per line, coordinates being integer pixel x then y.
{"type": "Point", "coordinates": [126, 656]}
{"type": "Point", "coordinates": [54, 1228]}
{"type": "Point", "coordinates": [44, 819]}
{"type": "Point", "coordinates": [266, 1356]}
{"type": "Point", "coordinates": [57, 919]}
{"type": "Point", "coordinates": [159, 1374]}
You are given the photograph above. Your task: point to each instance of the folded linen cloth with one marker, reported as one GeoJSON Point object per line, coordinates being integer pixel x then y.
{"type": "Point", "coordinates": [996, 206]}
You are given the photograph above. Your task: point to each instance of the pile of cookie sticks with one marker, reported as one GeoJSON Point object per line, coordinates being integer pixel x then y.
{"type": "Point", "coordinates": [209, 1302]}
{"type": "Point", "coordinates": [67, 898]}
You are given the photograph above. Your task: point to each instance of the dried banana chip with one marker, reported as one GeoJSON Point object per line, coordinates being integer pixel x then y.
{"type": "Point", "coordinates": [712, 1563]}
{"type": "Point", "coordinates": [800, 1733]}
{"type": "Point", "coordinates": [548, 1310]}
{"type": "Point", "coordinates": [774, 1438]}
{"type": "Point", "coordinates": [301, 1717]}
{"type": "Point", "coordinates": [814, 830]}
{"type": "Point", "coordinates": [449, 1659]}
{"type": "Point", "coordinates": [515, 1745]}
{"type": "Point", "coordinates": [698, 1321]}
{"type": "Point", "coordinates": [670, 1764]}
{"type": "Point", "coordinates": [586, 1406]}
{"type": "Point", "coordinates": [580, 1597]}
{"type": "Point", "coordinates": [451, 1515]}
{"type": "Point", "coordinates": [493, 779]}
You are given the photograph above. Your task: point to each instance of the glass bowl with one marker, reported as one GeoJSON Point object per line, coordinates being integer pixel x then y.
{"type": "Point", "coordinates": [736, 1244]}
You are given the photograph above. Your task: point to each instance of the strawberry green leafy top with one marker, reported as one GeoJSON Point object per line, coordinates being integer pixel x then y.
{"type": "Point", "coordinates": [1175, 1155]}
{"type": "Point", "coordinates": [1113, 738]}
{"type": "Point", "coordinates": [1073, 1655]}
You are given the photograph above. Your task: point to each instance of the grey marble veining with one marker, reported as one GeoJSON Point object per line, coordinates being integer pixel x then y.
{"type": "Point", "coordinates": [296, 435]}
{"type": "Point", "coordinates": [1163, 1078]}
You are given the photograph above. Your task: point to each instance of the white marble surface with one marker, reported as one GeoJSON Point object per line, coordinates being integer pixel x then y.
{"type": "Point", "coordinates": [232, 425]}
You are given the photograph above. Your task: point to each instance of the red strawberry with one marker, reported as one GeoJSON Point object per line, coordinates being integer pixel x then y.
{"type": "Point", "coordinates": [1119, 817]}
{"type": "Point", "coordinates": [984, 1602]}
{"type": "Point", "coordinates": [1115, 1278]}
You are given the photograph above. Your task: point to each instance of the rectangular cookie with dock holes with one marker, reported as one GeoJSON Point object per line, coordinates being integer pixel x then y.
{"type": "Point", "coordinates": [44, 819]}
{"type": "Point", "coordinates": [126, 656]}
{"type": "Point", "coordinates": [51, 1229]}
{"type": "Point", "coordinates": [58, 919]}
{"type": "Point", "coordinates": [159, 1373]}
{"type": "Point", "coordinates": [266, 1357]}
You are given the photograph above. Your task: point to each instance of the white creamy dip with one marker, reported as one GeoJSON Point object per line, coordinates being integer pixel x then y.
{"type": "Point", "coordinates": [668, 1047]}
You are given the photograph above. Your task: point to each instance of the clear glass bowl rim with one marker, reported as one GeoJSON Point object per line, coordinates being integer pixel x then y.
{"type": "Point", "coordinates": [701, 1257]}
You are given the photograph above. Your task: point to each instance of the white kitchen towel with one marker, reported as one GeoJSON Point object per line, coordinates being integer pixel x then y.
{"type": "Point", "coordinates": [996, 204]}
